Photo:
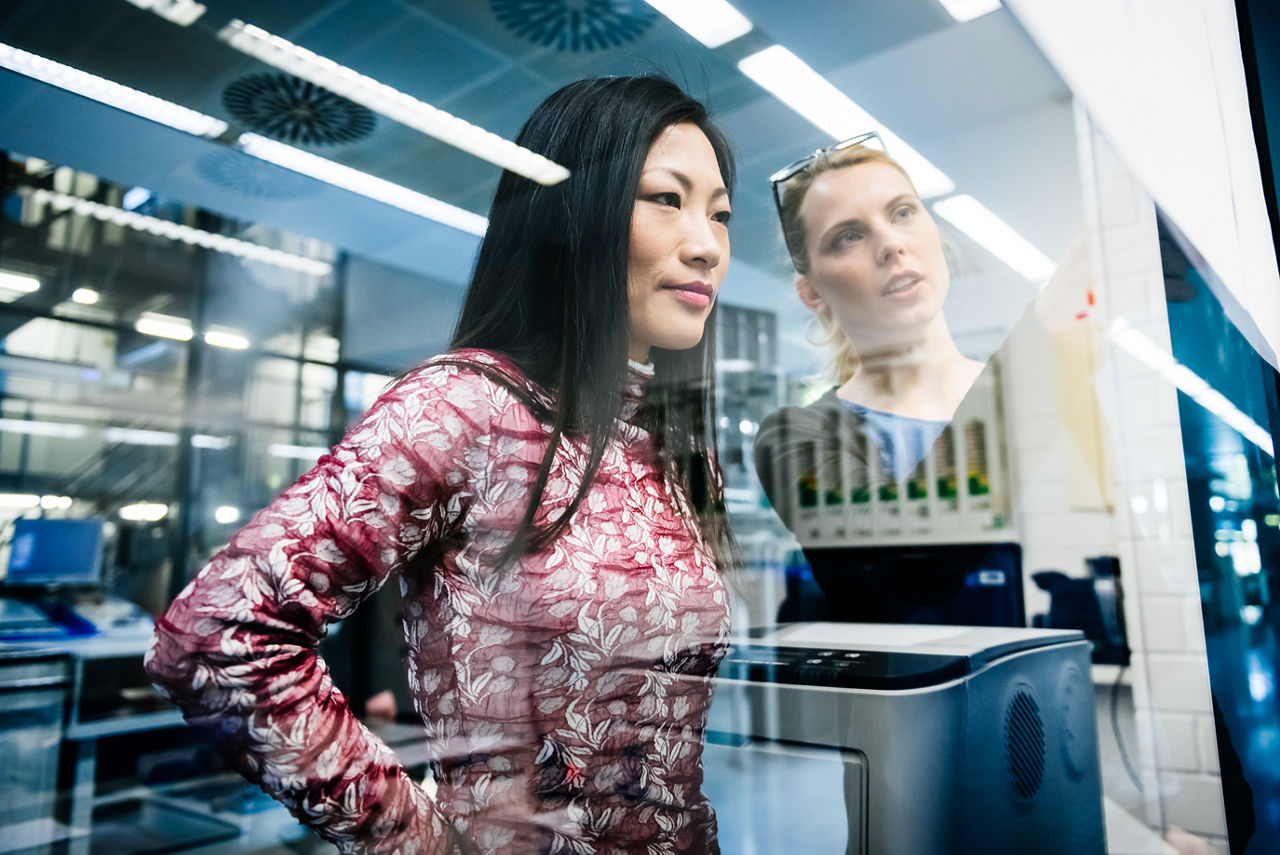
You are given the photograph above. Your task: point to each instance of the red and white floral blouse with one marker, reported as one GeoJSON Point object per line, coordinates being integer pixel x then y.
{"type": "Point", "coordinates": [564, 698]}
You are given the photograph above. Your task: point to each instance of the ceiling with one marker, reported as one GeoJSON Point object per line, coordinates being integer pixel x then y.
{"type": "Point", "coordinates": [976, 98]}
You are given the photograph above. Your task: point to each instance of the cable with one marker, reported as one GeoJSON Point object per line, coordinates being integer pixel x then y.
{"type": "Point", "coordinates": [1115, 729]}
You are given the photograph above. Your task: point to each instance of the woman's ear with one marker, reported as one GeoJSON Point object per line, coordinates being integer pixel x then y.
{"type": "Point", "coordinates": [809, 295]}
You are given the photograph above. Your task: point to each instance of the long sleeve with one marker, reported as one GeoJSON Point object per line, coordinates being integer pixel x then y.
{"type": "Point", "coordinates": [237, 648]}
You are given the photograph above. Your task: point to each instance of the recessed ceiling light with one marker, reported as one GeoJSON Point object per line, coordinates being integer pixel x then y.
{"type": "Point", "coordinates": [362, 183]}
{"type": "Point", "coordinates": [712, 22]}
{"type": "Point", "coordinates": [996, 236]}
{"type": "Point", "coordinates": [390, 102]}
{"type": "Point", "coordinates": [794, 83]}
{"type": "Point", "coordinates": [110, 93]}
{"type": "Point", "coordinates": [178, 232]}
{"type": "Point", "coordinates": [85, 296]}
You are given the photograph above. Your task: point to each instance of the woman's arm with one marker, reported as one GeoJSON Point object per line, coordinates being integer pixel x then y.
{"type": "Point", "coordinates": [237, 648]}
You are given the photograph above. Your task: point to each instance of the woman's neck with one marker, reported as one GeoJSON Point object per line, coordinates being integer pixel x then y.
{"type": "Point", "coordinates": [926, 378]}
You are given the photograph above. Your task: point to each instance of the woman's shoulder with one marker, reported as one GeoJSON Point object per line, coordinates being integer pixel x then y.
{"type": "Point", "coordinates": [789, 427]}
{"type": "Point", "coordinates": [809, 416]}
{"type": "Point", "coordinates": [476, 371]}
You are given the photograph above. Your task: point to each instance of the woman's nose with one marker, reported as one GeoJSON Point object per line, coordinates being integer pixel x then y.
{"type": "Point", "coordinates": [890, 246]}
{"type": "Point", "coordinates": [700, 244]}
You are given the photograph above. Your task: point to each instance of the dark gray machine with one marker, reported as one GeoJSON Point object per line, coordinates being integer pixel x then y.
{"type": "Point", "coordinates": [955, 739]}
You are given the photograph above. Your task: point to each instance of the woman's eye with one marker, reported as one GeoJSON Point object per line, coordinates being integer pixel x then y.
{"type": "Point", "coordinates": [722, 216]}
{"type": "Point", "coordinates": [904, 213]}
{"type": "Point", "coordinates": [844, 238]}
{"type": "Point", "coordinates": [670, 199]}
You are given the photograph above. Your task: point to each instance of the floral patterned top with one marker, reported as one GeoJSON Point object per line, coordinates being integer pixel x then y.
{"type": "Point", "coordinates": [564, 697]}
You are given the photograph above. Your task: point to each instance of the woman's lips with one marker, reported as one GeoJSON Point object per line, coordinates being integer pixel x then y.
{"type": "Point", "coordinates": [694, 293]}
{"type": "Point", "coordinates": [902, 284]}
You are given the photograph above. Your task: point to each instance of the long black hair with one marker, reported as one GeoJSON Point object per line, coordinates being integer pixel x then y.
{"type": "Point", "coordinates": [549, 291]}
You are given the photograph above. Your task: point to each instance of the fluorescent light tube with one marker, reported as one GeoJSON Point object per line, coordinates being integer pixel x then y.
{"type": "Point", "coordinates": [110, 93]}
{"type": "Point", "coordinates": [85, 296]}
{"type": "Point", "coordinates": [734, 366]}
{"type": "Point", "coordinates": [226, 514]}
{"type": "Point", "coordinates": [204, 440]}
{"type": "Point", "coordinates": [996, 236]}
{"type": "Point", "coordinates": [787, 77]}
{"type": "Point", "coordinates": [362, 183]}
{"type": "Point", "coordinates": [62, 430]}
{"type": "Point", "coordinates": [174, 116]}
{"type": "Point", "coordinates": [712, 22]}
{"type": "Point", "coordinates": [137, 436]}
{"type": "Point", "coordinates": [226, 338]}
{"type": "Point", "coordinates": [178, 232]}
{"type": "Point", "coordinates": [390, 102]}
{"type": "Point", "coordinates": [1189, 383]}
{"type": "Point", "coordinates": [18, 282]}
{"type": "Point", "coordinates": [19, 500]}
{"type": "Point", "coordinates": [164, 326]}
{"type": "Point", "coordinates": [184, 13]}
{"type": "Point", "coordinates": [967, 10]}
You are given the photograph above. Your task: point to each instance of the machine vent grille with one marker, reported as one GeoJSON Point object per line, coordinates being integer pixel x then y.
{"type": "Point", "coordinates": [293, 110]}
{"type": "Point", "coordinates": [1024, 744]}
{"type": "Point", "coordinates": [575, 25]}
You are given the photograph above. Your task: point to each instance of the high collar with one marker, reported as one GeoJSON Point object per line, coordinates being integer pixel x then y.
{"type": "Point", "coordinates": [638, 376]}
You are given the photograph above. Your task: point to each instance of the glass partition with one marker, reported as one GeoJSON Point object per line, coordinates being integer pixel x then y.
{"type": "Point", "coordinates": [983, 433]}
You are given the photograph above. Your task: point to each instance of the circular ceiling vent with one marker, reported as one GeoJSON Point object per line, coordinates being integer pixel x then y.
{"type": "Point", "coordinates": [293, 110]}
{"type": "Point", "coordinates": [575, 25]}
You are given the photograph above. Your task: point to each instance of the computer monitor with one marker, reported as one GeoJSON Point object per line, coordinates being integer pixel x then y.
{"type": "Point", "coordinates": [969, 584]}
{"type": "Point", "coordinates": [55, 553]}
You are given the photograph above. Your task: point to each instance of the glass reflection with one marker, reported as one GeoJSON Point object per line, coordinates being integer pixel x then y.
{"type": "Point", "coordinates": [269, 366]}
{"type": "Point", "coordinates": [1229, 420]}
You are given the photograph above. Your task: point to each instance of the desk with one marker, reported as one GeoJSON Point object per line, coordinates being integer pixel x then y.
{"type": "Point", "coordinates": [101, 707]}
{"type": "Point", "coordinates": [34, 686]}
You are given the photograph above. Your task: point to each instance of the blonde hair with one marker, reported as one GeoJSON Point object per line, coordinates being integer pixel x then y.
{"type": "Point", "coordinates": [793, 191]}
{"type": "Point", "coordinates": [844, 361]}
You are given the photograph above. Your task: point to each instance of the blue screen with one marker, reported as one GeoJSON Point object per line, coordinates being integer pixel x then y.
{"type": "Point", "coordinates": [55, 552]}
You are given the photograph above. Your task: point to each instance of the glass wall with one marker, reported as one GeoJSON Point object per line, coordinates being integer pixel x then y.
{"type": "Point", "coordinates": [166, 388]}
{"type": "Point", "coordinates": [974, 548]}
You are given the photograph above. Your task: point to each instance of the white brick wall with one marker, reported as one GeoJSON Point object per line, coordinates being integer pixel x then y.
{"type": "Point", "coordinates": [1172, 703]}
{"type": "Point", "coordinates": [1141, 511]}
{"type": "Point", "coordinates": [1153, 71]}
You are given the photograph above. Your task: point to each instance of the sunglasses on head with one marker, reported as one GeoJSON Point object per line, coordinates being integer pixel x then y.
{"type": "Point", "coordinates": [870, 139]}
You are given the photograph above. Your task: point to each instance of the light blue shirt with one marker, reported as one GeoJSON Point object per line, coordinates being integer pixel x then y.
{"type": "Point", "coordinates": [902, 441]}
